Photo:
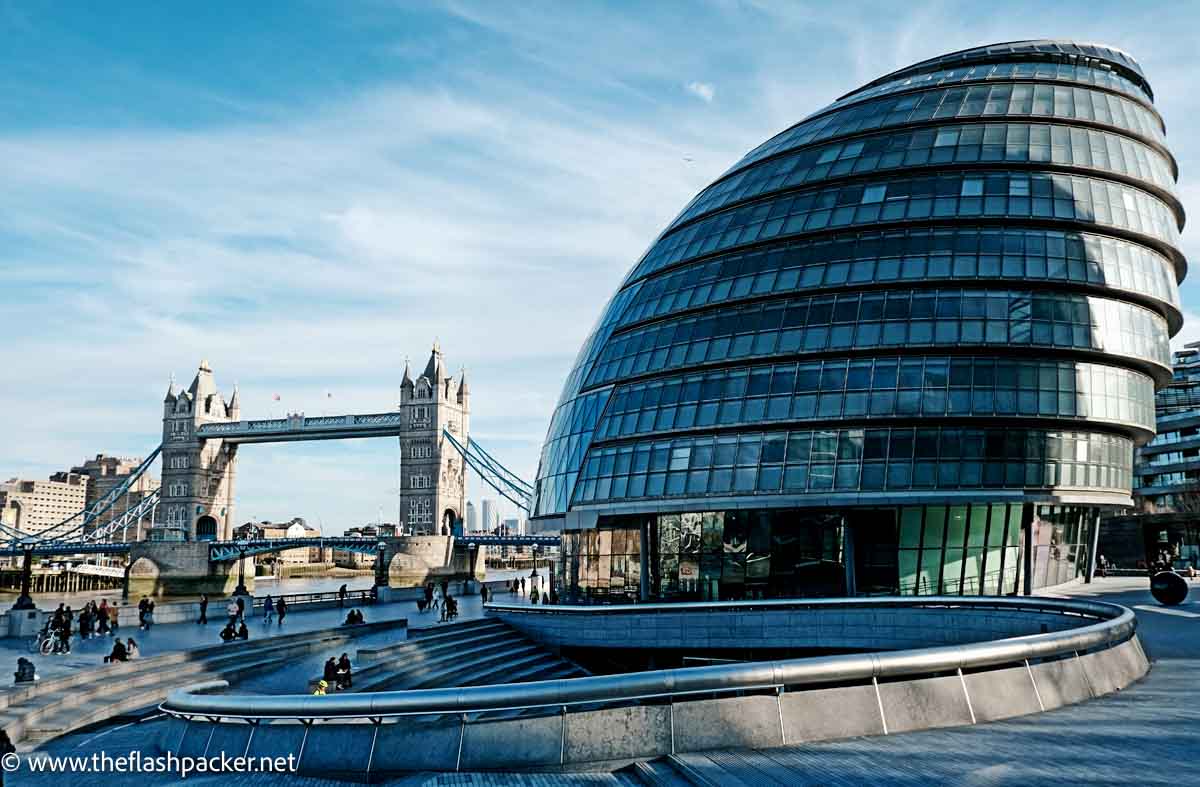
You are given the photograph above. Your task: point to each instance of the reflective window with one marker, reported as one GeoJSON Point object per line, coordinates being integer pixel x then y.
{"type": "Point", "coordinates": [979, 142]}
{"type": "Point", "coordinates": [896, 318]}
{"type": "Point", "coordinates": [1013, 100]}
{"type": "Point", "coordinates": [852, 260]}
{"type": "Point", "coordinates": [1026, 70]}
{"type": "Point", "coordinates": [855, 460]}
{"type": "Point", "coordinates": [881, 388]}
{"type": "Point", "coordinates": [569, 434]}
{"type": "Point", "coordinates": [1017, 195]}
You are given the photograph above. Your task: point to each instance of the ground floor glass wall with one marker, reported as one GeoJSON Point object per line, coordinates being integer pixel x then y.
{"type": "Point", "coordinates": [970, 548]}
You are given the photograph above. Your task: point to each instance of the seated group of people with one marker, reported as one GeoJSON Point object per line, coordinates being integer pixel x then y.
{"type": "Point", "coordinates": [122, 651]}
{"type": "Point", "coordinates": [336, 672]}
{"type": "Point", "coordinates": [353, 617]}
{"type": "Point", "coordinates": [230, 632]}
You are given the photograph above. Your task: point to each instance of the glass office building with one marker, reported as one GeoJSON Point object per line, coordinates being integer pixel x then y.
{"type": "Point", "coordinates": [907, 345]}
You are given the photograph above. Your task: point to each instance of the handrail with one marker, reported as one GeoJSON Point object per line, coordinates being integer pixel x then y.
{"type": "Point", "coordinates": [1115, 625]}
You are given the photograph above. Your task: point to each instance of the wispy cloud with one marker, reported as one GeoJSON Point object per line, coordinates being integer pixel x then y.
{"type": "Point", "coordinates": [701, 90]}
{"type": "Point", "coordinates": [487, 180]}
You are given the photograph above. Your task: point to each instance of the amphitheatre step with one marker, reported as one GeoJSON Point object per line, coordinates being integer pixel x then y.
{"type": "Point", "coordinates": [54, 707]}
{"type": "Point", "coordinates": [404, 673]}
{"type": "Point", "coordinates": [428, 637]}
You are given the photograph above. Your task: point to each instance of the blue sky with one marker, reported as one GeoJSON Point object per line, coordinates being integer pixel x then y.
{"type": "Point", "coordinates": [307, 193]}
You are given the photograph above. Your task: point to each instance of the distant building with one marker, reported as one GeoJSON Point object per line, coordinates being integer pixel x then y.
{"type": "Point", "coordinates": [347, 559]}
{"type": "Point", "coordinates": [35, 506]}
{"type": "Point", "coordinates": [105, 473]}
{"type": "Point", "coordinates": [296, 528]}
{"type": "Point", "coordinates": [491, 515]}
{"type": "Point", "coordinates": [472, 519]}
{"type": "Point", "coordinates": [1166, 480]}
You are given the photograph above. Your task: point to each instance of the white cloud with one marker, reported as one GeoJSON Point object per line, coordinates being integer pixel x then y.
{"type": "Point", "coordinates": [701, 90]}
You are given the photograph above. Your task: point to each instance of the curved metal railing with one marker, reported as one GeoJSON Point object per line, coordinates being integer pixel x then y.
{"type": "Point", "coordinates": [1103, 625]}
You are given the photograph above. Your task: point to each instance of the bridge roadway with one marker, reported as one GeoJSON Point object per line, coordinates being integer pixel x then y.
{"type": "Point", "coordinates": [1147, 735]}
{"type": "Point", "coordinates": [221, 551]}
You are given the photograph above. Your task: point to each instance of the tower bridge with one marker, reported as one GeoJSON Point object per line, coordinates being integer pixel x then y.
{"type": "Point", "coordinates": [188, 522]}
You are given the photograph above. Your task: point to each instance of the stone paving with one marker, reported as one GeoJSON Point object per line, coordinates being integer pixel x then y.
{"type": "Point", "coordinates": [167, 637]}
{"type": "Point", "coordinates": [1149, 734]}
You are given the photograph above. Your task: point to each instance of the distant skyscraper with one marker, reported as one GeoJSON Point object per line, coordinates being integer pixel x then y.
{"type": "Point", "coordinates": [472, 518]}
{"type": "Point", "coordinates": [491, 514]}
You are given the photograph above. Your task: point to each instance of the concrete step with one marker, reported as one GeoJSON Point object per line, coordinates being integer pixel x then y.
{"type": "Point", "coordinates": [489, 663]}
{"type": "Point", "coordinates": [418, 659]}
{"type": "Point", "coordinates": [656, 773]}
{"type": "Point", "coordinates": [417, 639]}
{"type": "Point", "coordinates": [410, 673]}
{"type": "Point", "coordinates": [55, 712]}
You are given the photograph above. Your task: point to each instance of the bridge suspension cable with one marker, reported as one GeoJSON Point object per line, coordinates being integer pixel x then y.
{"type": "Point", "coordinates": [506, 483]}
{"type": "Point", "coordinates": [63, 531]}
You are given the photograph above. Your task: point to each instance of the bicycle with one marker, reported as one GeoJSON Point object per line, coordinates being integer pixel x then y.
{"type": "Point", "coordinates": [42, 642]}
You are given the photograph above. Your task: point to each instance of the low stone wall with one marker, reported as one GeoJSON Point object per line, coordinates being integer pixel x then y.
{"type": "Point", "coordinates": [631, 732]}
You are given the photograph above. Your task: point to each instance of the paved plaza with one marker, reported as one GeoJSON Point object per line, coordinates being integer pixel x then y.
{"type": "Point", "coordinates": [1148, 734]}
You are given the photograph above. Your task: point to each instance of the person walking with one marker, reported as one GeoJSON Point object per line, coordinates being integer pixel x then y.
{"type": "Point", "coordinates": [483, 594]}
{"type": "Point", "coordinates": [522, 586]}
{"type": "Point", "coordinates": [281, 610]}
{"type": "Point", "coordinates": [102, 617]}
{"type": "Point", "coordinates": [342, 597]}
{"type": "Point", "coordinates": [142, 613]}
{"type": "Point", "coordinates": [149, 613]}
{"type": "Point", "coordinates": [114, 617]}
{"type": "Point", "coordinates": [203, 609]}
{"type": "Point", "coordinates": [268, 609]}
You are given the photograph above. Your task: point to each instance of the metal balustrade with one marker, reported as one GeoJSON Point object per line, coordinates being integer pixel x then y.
{"type": "Point", "coordinates": [1101, 626]}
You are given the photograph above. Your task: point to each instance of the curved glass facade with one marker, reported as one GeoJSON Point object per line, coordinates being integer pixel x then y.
{"type": "Point", "coordinates": [905, 346]}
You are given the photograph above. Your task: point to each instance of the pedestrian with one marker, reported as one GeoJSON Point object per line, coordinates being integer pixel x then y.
{"type": "Point", "coordinates": [118, 652]}
{"type": "Point", "coordinates": [102, 617]}
{"type": "Point", "coordinates": [522, 586]}
{"type": "Point", "coordinates": [342, 597]}
{"type": "Point", "coordinates": [437, 597]}
{"type": "Point", "coordinates": [142, 613]}
{"type": "Point", "coordinates": [114, 617]}
{"type": "Point", "coordinates": [280, 609]}
{"type": "Point", "coordinates": [319, 691]}
{"type": "Point", "coordinates": [85, 620]}
{"type": "Point", "coordinates": [268, 609]}
{"type": "Point", "coordinates": [330, 672]}
{"type": "Point", "coordinates": [483, 594]}
{"type": "Point", "coordinates": [241, 608]}
{"type": "Point", "coordinates": [546, 598]}
{"type": "Point", "coordinates": [533, 595]}
{"type": "Point", "coordinates": [203, 609]}
{"type": "Point", "coordinates": [131, 649]}
{"type": "Point", "coordinates": [149, 613]}
{"type": "Point", "coordinates": [231, 610]}
{"type": "Point", "coordinates": [343, 673]}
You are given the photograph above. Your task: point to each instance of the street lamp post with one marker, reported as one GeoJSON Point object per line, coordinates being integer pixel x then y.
{"type": "Point", "coordinates": [241, 590]}
{"type": "Point", "coordinates": [25, 601]}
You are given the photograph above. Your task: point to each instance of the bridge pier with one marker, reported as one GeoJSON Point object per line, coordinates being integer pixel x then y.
{"type": "Point", "coordinates": [180, 568]}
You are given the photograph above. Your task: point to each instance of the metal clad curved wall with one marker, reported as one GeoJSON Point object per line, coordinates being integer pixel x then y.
{"type": "Point", "coordinates": [961, 276]}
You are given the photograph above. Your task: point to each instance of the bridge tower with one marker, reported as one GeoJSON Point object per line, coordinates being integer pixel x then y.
{"type": "Point", "coordinates": [433, 484]}
{"type": "Point", "coordinates": [197, 475]}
